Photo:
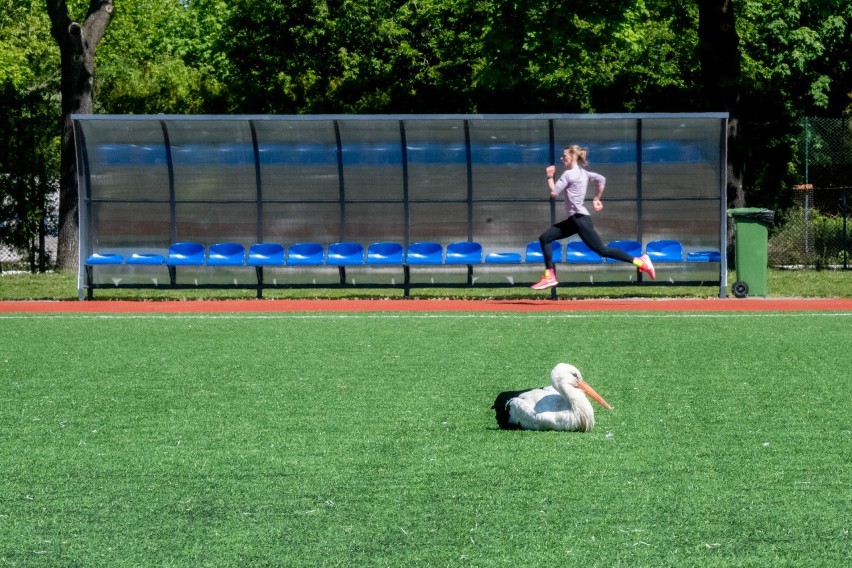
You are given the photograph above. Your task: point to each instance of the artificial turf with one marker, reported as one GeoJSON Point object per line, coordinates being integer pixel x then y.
{"type": "Point", "coordinates": [368, 440]}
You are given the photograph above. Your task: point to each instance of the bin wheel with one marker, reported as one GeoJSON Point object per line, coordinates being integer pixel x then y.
{"type": "Point", "coordinates": [740, 289]}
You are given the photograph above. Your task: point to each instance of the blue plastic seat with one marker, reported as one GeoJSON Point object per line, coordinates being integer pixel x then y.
{"type": "Point", "coordinates": [534, 254]}
{"type": "Point", "coordinates": [503, 258]}
{"type": "Point", "coordinates": [109, 258]}
{"type": "Point", "coordinates": [144, 258]}
{"type": "Point", "coordinates": [665, 250]}
{"type": "Point", "coordinates": [265, 254]}
{"type": "Point", "coordinates": [633, 248]}
{"type": "Point", "coordinates": [577, 252]}
{"type": "Point", "coordinates": [345, 254]}
{"type": "Point", "coordinates": [226, 254]}
{"type": "Point", "coordinates": [305, 254]}
{"type": "Point", "coordinates": [704, 256]}
{"type": "Point", "coordinates": [424, 253]}
{"type": "Point", "coordinates": [186, 254]}
{"type": "Point", "coordinates": [464, 252]}
{"type": "Point", "coordinates": [385, 253]}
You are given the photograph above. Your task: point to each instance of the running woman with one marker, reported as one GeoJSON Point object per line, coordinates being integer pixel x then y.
{"type": "Point", "coordinates": [573, 183]}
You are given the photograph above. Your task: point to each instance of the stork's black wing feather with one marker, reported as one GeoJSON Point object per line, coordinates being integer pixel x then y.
{"type": "Point", "coordinates": [501, 408]}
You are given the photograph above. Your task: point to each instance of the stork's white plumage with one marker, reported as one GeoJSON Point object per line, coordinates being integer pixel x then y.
{"type": "Point", "coordinates": [561, 406]}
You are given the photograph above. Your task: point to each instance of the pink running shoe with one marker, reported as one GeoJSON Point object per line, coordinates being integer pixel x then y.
{"type": "Point", "coordinates": [547, 281]}
{"type": "Point", "coordinates": [648, 266]}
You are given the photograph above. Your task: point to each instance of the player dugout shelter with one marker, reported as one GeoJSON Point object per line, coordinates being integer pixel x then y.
{"type": "Point", "coordinates": [147, 183]}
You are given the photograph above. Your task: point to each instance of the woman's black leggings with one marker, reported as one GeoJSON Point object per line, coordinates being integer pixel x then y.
{"type": "Point", "coordinates": [578, 225]}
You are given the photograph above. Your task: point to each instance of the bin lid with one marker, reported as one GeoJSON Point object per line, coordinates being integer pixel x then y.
{"type": "Point", "coordinates": [765, 216]}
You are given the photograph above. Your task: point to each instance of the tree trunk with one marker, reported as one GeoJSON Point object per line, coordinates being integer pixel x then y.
{"type": "Point", "coordinates": [77, 43]}
{"type": "Point", "coordinates": [719, 54]}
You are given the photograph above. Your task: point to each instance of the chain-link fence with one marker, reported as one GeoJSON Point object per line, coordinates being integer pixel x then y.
{"type": "Point", "coordinates": [815, 232]}
{"type": "Point", "coordinates": [28, 239]}
{"type": "Point", "coordinates": [31, 259]}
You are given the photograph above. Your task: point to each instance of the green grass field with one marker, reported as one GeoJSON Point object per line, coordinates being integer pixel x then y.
{"type": "Point", "coordinates": [368, 440]}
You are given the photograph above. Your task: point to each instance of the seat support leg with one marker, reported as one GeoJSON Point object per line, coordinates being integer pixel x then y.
{"type": "Point", "coordinates": [406, 271]}
{"type": "Point", "coordinates": [90, 292]}
{"type": "Point", "coordinates": [258, 270]}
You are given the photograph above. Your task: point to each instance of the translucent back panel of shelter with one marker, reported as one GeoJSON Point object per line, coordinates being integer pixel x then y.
{"type": "Point", "coordinates": [437, 160]}
{"type": "Point", "coordinates": [438, 182]}
{"type": "Point", "coordinates": [127, 160]}
{"type": "Point", "coordinates": [503, 227]}
{"type": "Point", "coordinates": [695, 222]}
{"type": "Point", "coordinates": [611, 145]}
{"type": "Point", "coordinates": [216, 222]}
{"type": "Point", "coordinates": [212, 159]}
{"type": "Point", "coordinates": [131, 226]}
{"type": "Point", "coordinates": [618, 220]}
{"type": "Point", "coordinates": [299, 180]}
{"type": "Point", "coordinates": [296, 222]}
{"type": "Point", "coordinates": [127, 184]}
{"type": "Point", "coordinates": [439, 222]}
{"type": "Point", "coordinates": [370, 222]}
{"type": "Point", "coordinates": [508, 157]}
{"type": "Point", "coordinates": [298, 160]}
{"type": "Point", "coordinates": [680, 159]}
{"type": "Point", "coordinates": [681, 180]}
{"type": "Point", "coordinates": [372, 160]}
{"type": "Point", "coordinates": [214, 180]}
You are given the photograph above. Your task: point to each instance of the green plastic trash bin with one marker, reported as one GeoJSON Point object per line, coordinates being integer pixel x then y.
{"type": "Point", "coordinates": [751, 238]}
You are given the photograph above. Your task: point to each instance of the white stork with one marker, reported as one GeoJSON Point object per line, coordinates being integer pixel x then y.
{"type": "Point", "coordinates": [562, 406]}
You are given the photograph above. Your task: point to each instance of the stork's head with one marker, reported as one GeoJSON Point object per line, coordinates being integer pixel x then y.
{"type": "Point", "coordinates": [564, 374]}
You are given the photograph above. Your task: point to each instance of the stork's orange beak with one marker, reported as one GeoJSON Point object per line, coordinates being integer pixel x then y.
{"type": "Point", "coordinates": [584, 386]}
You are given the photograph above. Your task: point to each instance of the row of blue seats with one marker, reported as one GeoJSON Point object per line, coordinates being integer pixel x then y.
{"type": "Point", "coordinates": [389, 253]}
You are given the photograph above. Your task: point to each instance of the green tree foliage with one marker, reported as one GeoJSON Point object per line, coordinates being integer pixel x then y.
{"type": "Point", "coordinates": [28, 162]}
{"type": "Point", "coordinates": [27, 53]}
{"type": "Point", "coordinates": [458, 56]}
{"type": "Point", "coordinates": [351, 56]}
{"type": "Point", "coordinates": [794, 57]}
{"type": "Point", "coordinates": [29, 136]}
{"type": "Point", "coordinates": [549, 56]}
{"type": "Point", "coordinates": [801, 47]}
{"type": "Point", "coordinates": [160, 56]}
{"type": "Point", "coordinates": [789, 60]}
{"type": "Point", "coordinates": [402, 56]}
{"type": "Point", "coordinates": [286, 74]}
{"type": "Point", "coordinates": [654, 50]}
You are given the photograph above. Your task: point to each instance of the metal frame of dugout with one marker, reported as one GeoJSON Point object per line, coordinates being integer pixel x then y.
{"type": "Point", "coordinates": [148, 183]}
